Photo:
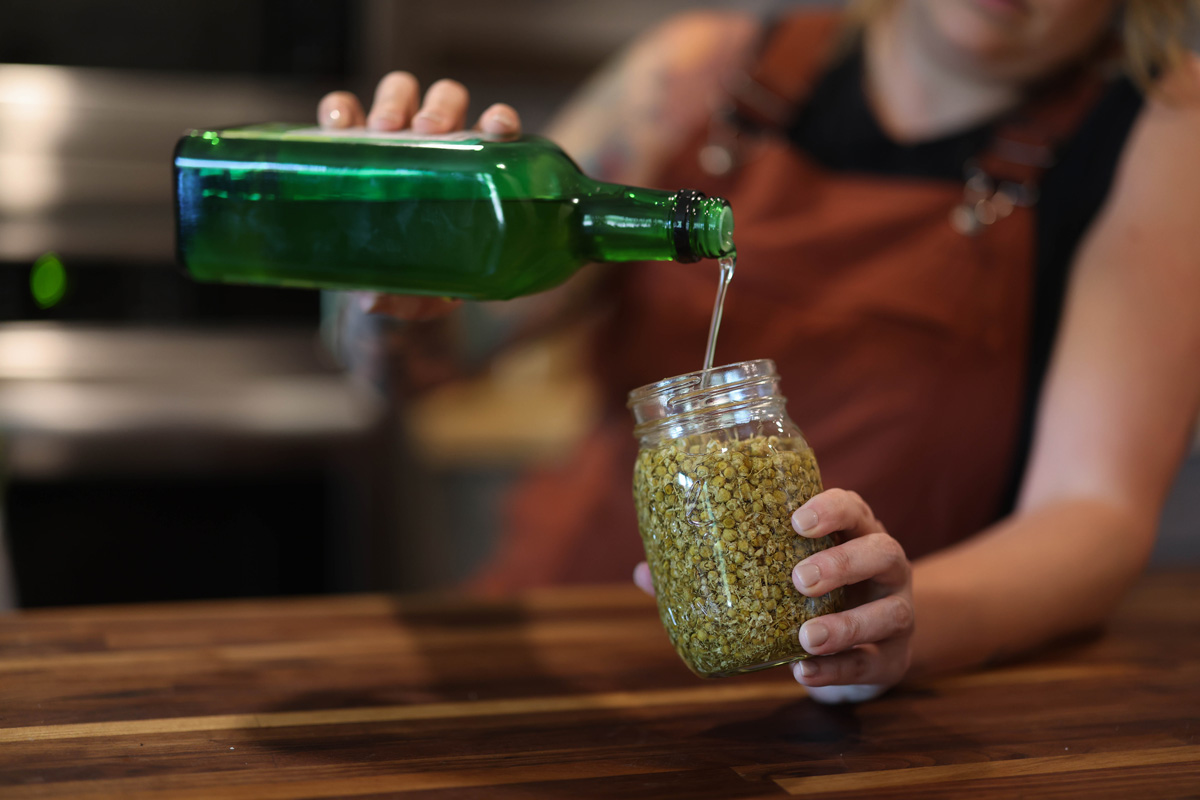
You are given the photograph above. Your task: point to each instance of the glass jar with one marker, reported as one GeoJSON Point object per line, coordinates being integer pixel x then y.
{"type": "Point", "coordinates": [719, 472]}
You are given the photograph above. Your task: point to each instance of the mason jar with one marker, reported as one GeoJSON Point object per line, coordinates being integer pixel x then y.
{"type": "Point", "coordinates": [719, 472]}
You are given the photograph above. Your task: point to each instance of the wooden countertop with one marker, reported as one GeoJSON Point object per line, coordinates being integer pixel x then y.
{"type": "Point", "coordinates": [570, 693]}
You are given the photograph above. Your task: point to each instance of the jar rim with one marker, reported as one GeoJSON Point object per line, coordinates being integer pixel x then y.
{"type": "Point", "coordinates": [743, 385]}
{"type": "Point", "coordinates": [717, 378]}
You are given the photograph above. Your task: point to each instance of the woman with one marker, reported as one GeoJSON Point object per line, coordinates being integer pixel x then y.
{"type": "Point", "coordinates": [961, 240]}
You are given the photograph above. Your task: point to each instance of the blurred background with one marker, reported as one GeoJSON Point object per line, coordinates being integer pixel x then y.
{"type": "Point", "coordinates": [162, 439]}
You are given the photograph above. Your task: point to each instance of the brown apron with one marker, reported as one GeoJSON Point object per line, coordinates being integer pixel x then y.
{"type": "Point", "coordinates": [902, 342]}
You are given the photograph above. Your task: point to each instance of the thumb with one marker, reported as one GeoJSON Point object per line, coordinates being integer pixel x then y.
{"type": "Point", "coordinates": [641, 577]}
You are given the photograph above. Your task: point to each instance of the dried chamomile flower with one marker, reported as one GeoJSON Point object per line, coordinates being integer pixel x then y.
{"type": "Point", "coordinates": [715, 517]}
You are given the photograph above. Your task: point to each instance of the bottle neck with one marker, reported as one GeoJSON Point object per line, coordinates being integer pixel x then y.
{"type": "Point", "coordinates": [651, 225]}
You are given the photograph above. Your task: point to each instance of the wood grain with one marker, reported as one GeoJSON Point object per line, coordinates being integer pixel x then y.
{"type": "Point", "coordinates": [566, 693]}
{"type": "Point", "coordinates": [344, 716]}
{"type": "Point", "coordinates": [823, 785]}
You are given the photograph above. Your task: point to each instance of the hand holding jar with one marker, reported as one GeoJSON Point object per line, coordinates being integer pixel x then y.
{"type": "Point", "coordinates": [865, 649]}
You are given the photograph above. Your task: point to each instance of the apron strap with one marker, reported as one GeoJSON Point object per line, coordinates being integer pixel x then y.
{"type": "Point", "coordinates": [795, 51]}
{"type": "Point", "coordinates": [792, 54]}
{"type": "Point", "coordinates": [1027, 142]}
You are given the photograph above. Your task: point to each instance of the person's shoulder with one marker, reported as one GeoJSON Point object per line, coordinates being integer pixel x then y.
{"type": "Point", "coordinates": [1175, 95]}
{"type": "Point", "coordinates": [734, 33]}
{"type": "Point", "coordinates": [644, 103]}
{"type": "Point", "coordinates": [706, 24]}
{"type": "Point", "coordinates": [1167, 129]}
{"type": "Point", "coordinates": [693, 38]}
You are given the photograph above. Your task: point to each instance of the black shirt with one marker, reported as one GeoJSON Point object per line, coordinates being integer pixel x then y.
{"type": "Point", "coordinates": [837, 128]}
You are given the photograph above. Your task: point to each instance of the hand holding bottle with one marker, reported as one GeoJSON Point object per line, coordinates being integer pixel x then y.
{"type": "Point", "coordinates": [464, 214]}
{"type": "Point", "coordinates": [397, 105]}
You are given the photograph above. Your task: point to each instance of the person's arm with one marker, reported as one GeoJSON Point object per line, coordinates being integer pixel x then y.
{"type": "Point", "coordinates": [1115, 418]}
{"type": "Point", "coordinates": [638, 110]}
{"type": "Point", "coordinates": [622, 125]}
{"type": "Point", "coordinates": [1120, 402]}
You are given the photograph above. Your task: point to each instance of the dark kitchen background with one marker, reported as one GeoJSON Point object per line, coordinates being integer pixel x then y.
{"type": "Point", "coordinates": [162, 439]}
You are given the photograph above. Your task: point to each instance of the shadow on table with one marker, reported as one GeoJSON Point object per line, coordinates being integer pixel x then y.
{"type": "Point", "coordinates": [484, 654]}
{"type": "Point", "coordinates": [803, 722]}
{"type": "Point", "coordinates": [451, 657]}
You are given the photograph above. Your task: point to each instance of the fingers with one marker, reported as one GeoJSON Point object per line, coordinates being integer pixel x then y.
{"type": "Point", "coordinates": [835, 510]}
{"type": "Point", "coordinates": [398, 105]}
{"type": "Point", "coordinates": [444, 108]}
{"type": "Point", "coordinates": [864, 649]}
{"type": "Point", "coordinates": [641, 578]}
{"type": "Point", "coordinates": [876, 557]}
{"type": "Point", "coordinates": [500, 119]}
{"type": "Point", "coordinates": [340, 110]}
{"type": "Point", "coordinates": [396, 101]}
{"type": "Point", "coordinates": [409, 308]}
{"type": "Point", "coordinates": [877, 621]}
{"type": "Point", "coordinates": [880, 664]}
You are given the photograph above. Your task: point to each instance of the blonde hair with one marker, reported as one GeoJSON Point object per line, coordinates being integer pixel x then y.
{"type": "Point", "coordinates": [1154, 32]}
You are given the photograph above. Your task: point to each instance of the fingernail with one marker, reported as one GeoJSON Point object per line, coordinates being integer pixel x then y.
{"type": "Point", "coordinates": [813, 634]}
{"type": "Point", "coordinates": [642, 579]}
{"type": "Point", "coordinates": [499, 122]}
{"type": "Point", "coordinates": [805, 519]}
{"type": "Point", "coordinates": [427, 120]}
{"type": "Point", "coordinates": [809, 668]}
{"type": "Point", "coordinates": [384, 122]}
{"type": "Point", "coordinates": [336, 117]}
{"type": "Point", "coordinates": [808, 575]}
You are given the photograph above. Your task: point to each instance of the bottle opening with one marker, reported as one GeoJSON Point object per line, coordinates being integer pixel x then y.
{"type": "Point", "coordinates": [716, 228]}
{"type": "Point", "coordinates": [702, 227]}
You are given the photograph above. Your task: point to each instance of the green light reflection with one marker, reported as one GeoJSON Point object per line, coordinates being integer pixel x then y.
{"type": "Point", "coordinates": [48, 280]}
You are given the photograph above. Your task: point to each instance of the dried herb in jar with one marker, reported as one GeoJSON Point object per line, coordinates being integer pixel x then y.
{"type": "Point", "coordinates": [715, 517]}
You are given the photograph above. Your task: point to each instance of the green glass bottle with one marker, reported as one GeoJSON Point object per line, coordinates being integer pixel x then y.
{"type": "Point", "coordinates": [456, 216]}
